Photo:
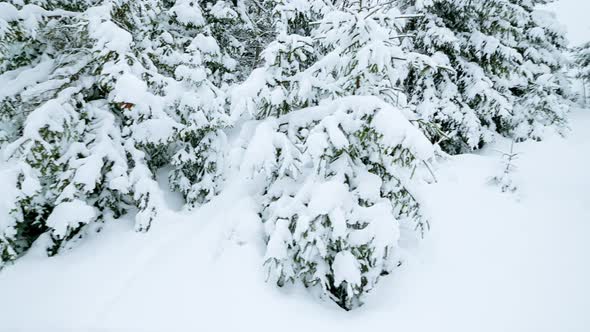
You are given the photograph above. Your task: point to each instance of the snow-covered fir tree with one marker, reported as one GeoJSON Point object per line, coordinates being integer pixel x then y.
{"type": "Point", "coordinates": [71, 154]}
{"type": "Point", "coordinates": [340, 190]}
{"type": "Point", "coordinates": [279, 84]}
{"type": "Point", "coordinates": [460, 98]}
{"type": "Point", "coordinates": [543, 100]}
{"type": "Point", "coordinates": [202, 69]}
{"type": "Point", "coordinates": [338, 175]}
{"type": "Point", "coordinates": [108, 93]}
{"type": "Point", "coordinates": [435, 94]}
{"type": "Point", "coordinates": [492, 69]}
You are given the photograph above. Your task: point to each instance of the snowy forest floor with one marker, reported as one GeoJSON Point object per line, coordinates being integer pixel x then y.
{"type": "Point", "coordinates": [492, 262]}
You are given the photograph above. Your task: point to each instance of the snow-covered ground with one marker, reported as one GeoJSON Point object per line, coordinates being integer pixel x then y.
{"type": "Point", "coordinates": [492, 262]}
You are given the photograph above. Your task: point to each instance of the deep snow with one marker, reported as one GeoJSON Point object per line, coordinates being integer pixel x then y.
{"type": "Point", "coordinates": [492, 262]}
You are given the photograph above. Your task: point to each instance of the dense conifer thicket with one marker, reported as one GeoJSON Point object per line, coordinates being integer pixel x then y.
{"type": "Point", "coordinates": [338, 107]}
{"type": "Point", "coordinates": [503, 70]}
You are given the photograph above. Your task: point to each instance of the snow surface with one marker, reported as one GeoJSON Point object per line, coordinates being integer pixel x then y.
{"type": "Point", "coordinates": [492, 262]}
